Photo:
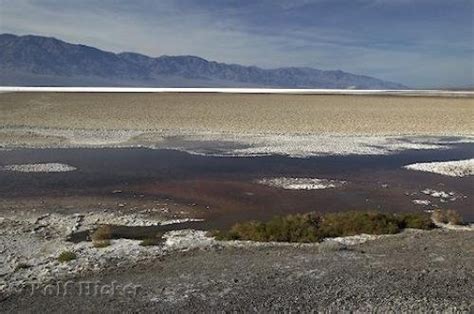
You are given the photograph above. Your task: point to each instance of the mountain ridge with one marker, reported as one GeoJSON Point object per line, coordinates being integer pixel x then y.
{"type": "Point", "coordinates": [47, 61]}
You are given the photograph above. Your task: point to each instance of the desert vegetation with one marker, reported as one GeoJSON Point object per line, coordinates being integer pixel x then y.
{"type": "Point", "coordinates": [22, 266]}
{"type": "Point", "coordinates": [447, 216]}
{"type": "Point", "coordinates": [67, 256]}
{"type": "Point", "coordinates": [101, 236]}
{"type": "Point", "coordinates": [101, 244]}
{"type": "Point", "coordinates": [454, 217]}
{"type": "Point", "coordinates": [313, 227]}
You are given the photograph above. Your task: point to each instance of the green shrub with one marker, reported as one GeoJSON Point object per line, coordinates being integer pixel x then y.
{"type": "Point", "coordinates": [352, 223]}
{"type": "Point", "coordinates": [291, 228]}
{"type": "Point", "coordinates": [313, 227]}
{"type": "Point", "coordinates": [67, 256]}
{"type": "Point", "coordinates": [416, 221]}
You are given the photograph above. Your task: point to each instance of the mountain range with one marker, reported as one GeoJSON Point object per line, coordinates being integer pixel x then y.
{"type": "Point", "coordinates": [44, 61]}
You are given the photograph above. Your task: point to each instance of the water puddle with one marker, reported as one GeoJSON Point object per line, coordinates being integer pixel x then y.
{"type": "Point", "coordinates": [136, 233]}
{"type": "Point", "coordinates": [225, 190]}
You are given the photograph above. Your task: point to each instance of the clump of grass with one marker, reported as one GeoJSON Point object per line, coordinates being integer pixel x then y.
{"type": "Point", "coordinates": [157, 240]}
{"type": "Point", "coordinates": [22, 266]}
{"type": "Point", "coordinates": [101, 243]}
{"type": "Point", "coordinates": [313, 227]}
{"type": "Point", "coordinates": [103, 232]}
{"type": "Point", "coordinates": [416, 221]}
{"type": "Point", "coordinates": [453, 217]}
{"type": "Point", "coordinates": [101, 236]}
{"type": "Point", "coordinates": [67, 256]}
{"type": "Point", "coordinates": [439, 216]}
{"type": "Point", "coordinates": [447, 216]}
{"type": "Point", "coordinates": [151, 242]}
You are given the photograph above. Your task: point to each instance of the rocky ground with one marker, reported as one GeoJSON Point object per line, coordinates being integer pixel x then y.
{"type": "Point", "coordinates": [190, 271]}
{"type": "Point", "coordinates": [30, 244]}
{"type": "Point", "coordinates": [412, 271]}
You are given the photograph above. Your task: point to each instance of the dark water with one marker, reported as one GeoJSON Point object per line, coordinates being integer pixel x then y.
{"type": "Point", "coordinates": [137, 233]}
{"type": "Point", "coordinates": [223, 188]}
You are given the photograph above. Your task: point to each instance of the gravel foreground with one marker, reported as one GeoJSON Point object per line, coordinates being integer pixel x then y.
{"type": "Point", "coordinates": [412, 271]}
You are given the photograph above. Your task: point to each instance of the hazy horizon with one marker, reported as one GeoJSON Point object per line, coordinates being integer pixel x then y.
{"type": "Point", "coordinates": [422, 44]}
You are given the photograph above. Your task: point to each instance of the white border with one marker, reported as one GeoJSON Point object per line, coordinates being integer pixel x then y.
{"type": "Point", "coordinates": [235, 91]}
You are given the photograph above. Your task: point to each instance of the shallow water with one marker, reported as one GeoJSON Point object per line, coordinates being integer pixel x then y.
{"type": "Point", "coordinates": [222, 189]}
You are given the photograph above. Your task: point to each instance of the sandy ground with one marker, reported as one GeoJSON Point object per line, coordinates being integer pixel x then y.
{"type": "Point", "coordinates": [336, 114]}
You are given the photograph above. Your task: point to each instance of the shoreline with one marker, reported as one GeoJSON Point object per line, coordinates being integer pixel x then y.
{"type": "Point", "coordinates": [48, 235]}
{"type": "Point", "coordinates": [186, 248]}
{"type": "Point", "coordinates": [226, 144]}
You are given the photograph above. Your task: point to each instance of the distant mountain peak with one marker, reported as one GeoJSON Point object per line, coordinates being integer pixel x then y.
{"type": "Point", "coordinates": [46, 61]}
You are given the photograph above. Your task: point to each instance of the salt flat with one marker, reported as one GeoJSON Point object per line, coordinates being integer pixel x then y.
{"type": "Point", "coordinates": [252, 124]}
{"type": "Point", "coordinates": [241, 113]}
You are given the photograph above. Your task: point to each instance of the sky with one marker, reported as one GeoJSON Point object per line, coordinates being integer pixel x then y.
{"type": "Point", "coordinates": [420, 43]}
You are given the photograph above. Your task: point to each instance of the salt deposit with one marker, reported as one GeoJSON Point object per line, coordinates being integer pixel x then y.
{"type": "Point", "coordinates": [422, 202]}
{"type": "Point", "coordinates": [458, 168]}
{"type": "Point", "coordinates": [355, 239]}
{"type": "Point", "coordinates": [225, 143]}
{"type": "Point", "coordinates": [89, 137]}
{"type": "Point", "coordinates": [438, 194]}
{"type": "Point", "coordinates": [304, 145]}
{"type": "Point", "coordinates": [300, 183]}
{"type": "Point", "coordinates": [40, 167]}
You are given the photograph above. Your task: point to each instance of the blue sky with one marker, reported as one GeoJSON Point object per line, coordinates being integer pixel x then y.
{"type": "Point", "coordinates": [421, 43]}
